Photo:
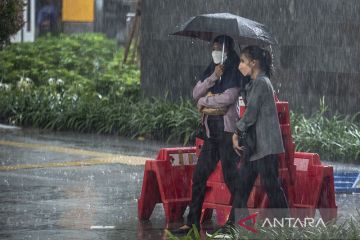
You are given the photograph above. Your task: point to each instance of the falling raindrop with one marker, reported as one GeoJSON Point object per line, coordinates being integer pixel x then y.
{"type": "Point", "coordinates": [6, 182]}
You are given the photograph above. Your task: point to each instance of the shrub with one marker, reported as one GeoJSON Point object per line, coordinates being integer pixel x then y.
{"type": "Point", "coordinates": [85, 62]}
{"type": "Point", "coordinates": [334, 138]}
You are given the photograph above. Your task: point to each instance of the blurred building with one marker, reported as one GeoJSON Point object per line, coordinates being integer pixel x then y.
{"type": "Point", "coordinates": [111, 17]}
{"type": "Point", "coordinates": [75, 16]}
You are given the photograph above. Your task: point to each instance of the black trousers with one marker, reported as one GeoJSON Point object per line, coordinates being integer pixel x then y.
{"type": "Point", "coordinates": [267, 168]}
{"type": "Point", "coordinates": [217, 147]}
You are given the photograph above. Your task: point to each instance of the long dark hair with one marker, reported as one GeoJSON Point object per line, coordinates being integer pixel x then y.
{"type": "Point", "coordinates": [264, 57]}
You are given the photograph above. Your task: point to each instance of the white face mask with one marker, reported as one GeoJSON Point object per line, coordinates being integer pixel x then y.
{"type": "Point", "coordinates": [216, 55]}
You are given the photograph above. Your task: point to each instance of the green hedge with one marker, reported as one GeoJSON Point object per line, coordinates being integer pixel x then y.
{"type": "Point", "coordinates": [77, 83]}
{"type": "Point", "coordinates": [85, 63]}
{"type": "Point", "coordinates": [50, 108]}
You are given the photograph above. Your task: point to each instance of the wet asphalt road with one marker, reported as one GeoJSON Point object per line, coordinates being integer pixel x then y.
{"type": "Point", "coordinates": [64, 186]}
{"type": "Point", "coordinates": [40, 200]}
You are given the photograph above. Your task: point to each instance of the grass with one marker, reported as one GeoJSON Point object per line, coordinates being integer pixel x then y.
{"type": "Point", "coordinates": [334, 138]}
{"type": "Point", "coordinates": [343, 229]}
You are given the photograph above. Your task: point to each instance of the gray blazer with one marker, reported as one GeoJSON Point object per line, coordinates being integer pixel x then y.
{"type": "Point", "coordinates": [261, 111]}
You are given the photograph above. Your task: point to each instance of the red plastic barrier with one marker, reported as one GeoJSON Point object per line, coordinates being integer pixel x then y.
{"type": "Point", "coordinates": [314, 187]}
{"type": "Point", "coordinates": [167, 180]}
{"type": "Point", "coordinates": [307, 183]}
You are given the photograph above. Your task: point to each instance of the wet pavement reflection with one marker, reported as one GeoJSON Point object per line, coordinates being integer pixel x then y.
{"type": "Point", "coordinates": [96, 201]}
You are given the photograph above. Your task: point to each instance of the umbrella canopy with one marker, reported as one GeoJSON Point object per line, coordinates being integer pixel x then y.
{"type": "Point", "coordinates": [207, 26]}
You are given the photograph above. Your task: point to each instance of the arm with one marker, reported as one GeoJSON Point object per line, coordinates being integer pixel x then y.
{"type": "Point", "coordinates": [202, 88]}
{"type": "Point", "coordinates": [220, 100]}
{"type": "Point", "coordinates": [253, 105]}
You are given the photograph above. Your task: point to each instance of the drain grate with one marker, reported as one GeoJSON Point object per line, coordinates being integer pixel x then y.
{"type": "Point", "coordinates": [347, 182]}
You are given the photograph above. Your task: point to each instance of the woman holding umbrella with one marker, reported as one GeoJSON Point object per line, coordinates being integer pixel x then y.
{"type": "Point", "coordinates": [260, 112]}
{"type": "Point", "coordinates": [216, 94]}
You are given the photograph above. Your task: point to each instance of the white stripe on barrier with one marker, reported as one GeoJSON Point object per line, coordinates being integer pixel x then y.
{"type": "Point", "coordinates": [181, 159]}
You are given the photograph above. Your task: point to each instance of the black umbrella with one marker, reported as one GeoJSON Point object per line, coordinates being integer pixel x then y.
{"type": "Point", "coordinates": [207, 26]}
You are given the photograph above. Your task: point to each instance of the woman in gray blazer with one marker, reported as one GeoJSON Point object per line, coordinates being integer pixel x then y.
{"type": "Point", "coordinates": [260, 112]}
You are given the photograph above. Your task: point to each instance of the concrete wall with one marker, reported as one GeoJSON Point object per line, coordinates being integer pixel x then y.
{"type": "Point", "coordinates": [318, 53]}
{"type": "Point", "coordinates": [78, 27]}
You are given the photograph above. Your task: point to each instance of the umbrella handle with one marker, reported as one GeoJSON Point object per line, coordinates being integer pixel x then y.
{"type": "Point", "coordinates": [223, 51]}
{"type": "Point", "coordinates": [222, 55]}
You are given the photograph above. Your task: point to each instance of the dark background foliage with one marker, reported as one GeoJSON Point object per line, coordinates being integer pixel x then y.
{"type": "Point", "coordinates": [11, 19]}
